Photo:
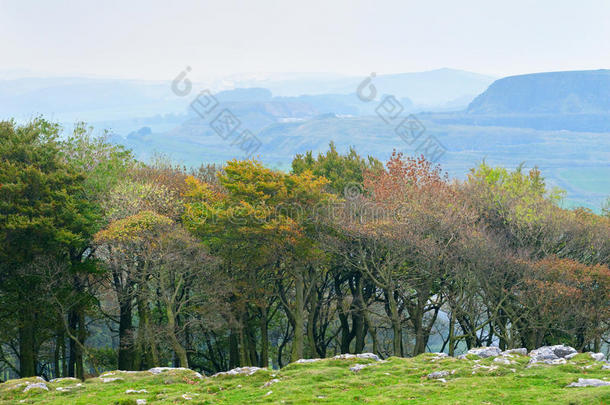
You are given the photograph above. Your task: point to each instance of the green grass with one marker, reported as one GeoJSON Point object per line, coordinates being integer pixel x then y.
{"type": "Point", "coordinates": [396, 381]}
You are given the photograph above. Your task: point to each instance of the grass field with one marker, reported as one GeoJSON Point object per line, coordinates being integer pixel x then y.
{"type": "Point", "coordinates": [330, 381]}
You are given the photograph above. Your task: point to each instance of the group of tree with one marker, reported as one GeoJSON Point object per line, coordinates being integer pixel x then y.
{"type": "Point", "coordinates": [107, 262]}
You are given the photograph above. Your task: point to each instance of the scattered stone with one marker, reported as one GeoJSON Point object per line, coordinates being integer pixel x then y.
{"type": "Point", "coordinates": [569, 356]}
{"type": "Point", "coordinates": [107, 374]}
{"type": "Point", "coordinates": [239, 371]}
{"type": "Point", "coordinates": [271, 382]}
{"type": "Point", "coordinates": [553, 362]}
{"type": "Point", "coordinates": [142, 391]}
{"type": "Point", "coordinates": [62, 379]}
{"type": "Point", "coordinates": [114, 372]}
{"type": "Point", "coordinates": [39, 385]}
{"type": "Point", "coordinates": [503, 360]}
{"type": "Point", "coordinates": [357, 367]}
{"type": "Point", "coordinates": [589, 382]}
{"type": "Point", "coordinates": [159, 370]}
{"type": "Point", "coordinates": [606, 367]}
{"type": "Point", "coordinates": [268, 393]}
{"type": "Point", "coordinates": [438, 356]}
{"type": "Point", "coordinates": [437, 374]}
{"type": "Point", "coordinates": [140, 402]}
{"type": "Point", "coordinates": [521, 350]}
{"type": "Point", "coordinates": [238, 385]}
{"type": "Point", "coordinates": [485, 352]}
{"type": "Point", "coordinates": [370, 356]}
{"type": "Point", "coordinates": [186, 397]}
{"type": "Point", "coordinates": [551, 354]}
{"type": "Point", "coordinates": [107, 380]}
{"type": "Point", "coordinates": [442, 380]}
{"type": "Point", "coordinates": [301, 361]}
{"type": "Point", "coordinates": [598, 356]}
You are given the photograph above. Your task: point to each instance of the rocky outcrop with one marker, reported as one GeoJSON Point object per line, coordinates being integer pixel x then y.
{"type": "Point", "coordinates": [369, 356]}
{"type": "Point", "coordinates": [557, 354]}
{"type": "Point", "coordinates": [598, 356]}
{"type": "Point", "coordinates": [485, 352]}
{"type": "Point", "coordinates": [521, 351]}
{"type": "Point", "coordinates": [589, 382]}
{"type": "Point", "coordinates": [437, 375]}
{"type": "Point", "coordinates": [159, 370]}
{"type": "Point", "coordinates": [239, 371]}
{"type": "Point", "coordinates": [39, 385]}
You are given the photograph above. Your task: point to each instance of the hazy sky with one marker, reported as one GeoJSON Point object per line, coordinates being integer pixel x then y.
{"type": "Point", "coordinates": [157, 39]}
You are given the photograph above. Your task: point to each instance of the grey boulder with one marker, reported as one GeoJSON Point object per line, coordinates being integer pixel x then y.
{"type": "Point", "coordinates": [549, 354]}
{"type": "Point", "coordinates": [589, 382]}
{"type": "Point", "coordinates": [485, 351]}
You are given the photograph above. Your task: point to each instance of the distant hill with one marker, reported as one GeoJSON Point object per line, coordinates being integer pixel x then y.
{"type": "Point", "coordinates": [429, 89]}
{"type": "Point", "coordinates": [575, 92]}
{"type": "Point", "coordinates": [89, 99]}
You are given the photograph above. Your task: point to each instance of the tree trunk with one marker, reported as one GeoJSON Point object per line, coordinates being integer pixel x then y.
{"type": "Point", "coordinates": [72, 324]}
{"type": "Point", "coordinates": [233, 350]}
{"type": "Point", "coordinates": [27, 342]}
{"type": "Point", "coordinates": [297, 343]}
{"type": "Point", "coordinates": [358, 316]}
{"type": "Point", "coordinates": [264, 363]}
{"type": "Point", "coordinates": [396, 327]}
{"type": "Point", "coordinates": [347, 335]}
{"type": "Point", "coordinates": [171, 329]}
{"type": "Point", "coordinates": [452, 334]}
{"type": "Point", "coordinates": [57, 354]}
{"type": "Point", "coordinates": [125, 335]}
{"type": "Point", "coordinates": [81, 335]}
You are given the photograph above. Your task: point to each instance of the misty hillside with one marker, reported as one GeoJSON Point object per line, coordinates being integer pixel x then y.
{"type": "Point", "coordinates": [440, 87]}
{"type": "Point", "coordinates": [553, 93]}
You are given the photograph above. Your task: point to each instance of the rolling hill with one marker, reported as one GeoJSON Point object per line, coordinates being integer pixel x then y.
{"type": "Point", "coordinates": [574, 92]}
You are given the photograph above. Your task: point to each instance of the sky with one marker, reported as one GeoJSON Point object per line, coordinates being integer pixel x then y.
{"type": "Point", "coordinates": [157, 39]}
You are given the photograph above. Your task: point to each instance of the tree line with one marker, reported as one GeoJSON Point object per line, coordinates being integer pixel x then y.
{"type": "Point", "coordinates": [107, 262]}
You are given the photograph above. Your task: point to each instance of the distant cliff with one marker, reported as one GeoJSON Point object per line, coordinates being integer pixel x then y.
{"type": "Point", "coordinates": [542, 93]}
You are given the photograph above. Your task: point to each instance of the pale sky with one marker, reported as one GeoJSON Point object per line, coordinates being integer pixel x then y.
{"type": "Point", "coordinates": [157, 39]}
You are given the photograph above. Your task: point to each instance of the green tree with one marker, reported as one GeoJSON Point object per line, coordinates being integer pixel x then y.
{"type": "Point", "coordinates": [44, 212]}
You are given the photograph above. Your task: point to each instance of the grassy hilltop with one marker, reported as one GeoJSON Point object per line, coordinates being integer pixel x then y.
{"type": "Point", "coordinates": [502, 380]}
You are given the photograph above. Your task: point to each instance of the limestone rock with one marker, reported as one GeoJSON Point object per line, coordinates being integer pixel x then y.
{"type": "Point", "coordinates": [370, 356]}
{"type": "Point", "coordinates": [521, 350]}
{"type": "Point", "coordinates": [503, 360]}
{"type": "Point", "coordinates": [62, 379]}
{"type": "Point", "coordinates": [589, 382]}
{"type": "Point", "coordinates": [159, 370]}
{"type": "Point", "coordinates": [551, 354]}
{"type": "Point", "coordinates": [239, 371]}
{"type": "Point", "coordinates": [271, 382]}
{"type": "Point", "coordinates": [358, 367]}
{"type": "Point", "coordinates": [598, 356]}
{"type": "Point", "coordinates": [39, 385]}
{"type": "Point", "coordinates": [301, 361]}
{"type": "Point", "coordinates": [142, 391]}
{"type": "Point", "coordinates": [437, 374]}
{"type": "Point", "coordinates": [485, 352]}
{"type": "Point", "coordinates": [111, 379]}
